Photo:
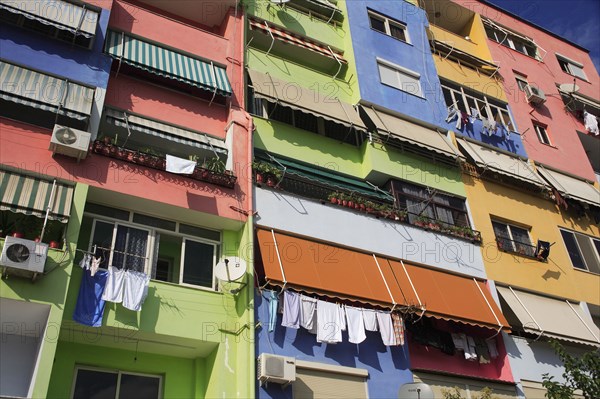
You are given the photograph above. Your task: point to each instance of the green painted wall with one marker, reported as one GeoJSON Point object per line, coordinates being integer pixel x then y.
{"type": "Point", "coordinates": [179, 374]}
{"type": "Point", "coordinates": [50, 289]}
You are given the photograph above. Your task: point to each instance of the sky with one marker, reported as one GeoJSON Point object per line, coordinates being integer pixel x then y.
{"type": "Point", "coordinates": [576, 20]}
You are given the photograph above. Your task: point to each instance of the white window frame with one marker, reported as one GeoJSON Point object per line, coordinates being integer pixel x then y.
{"type": "Point", "coordinates": [152, 231]}
{"type": "Point", "coordinates": [570, 64]}
{"type": "Point", "coordinates": [542, 134]}
{"type": "Point", "coordinates": [510, 39]}
{"type": "Point", "coordinates": [581, 254]}
{"type": "Point", "coordinates": [482, 103]}
{"type": "Point", "coordinates": [400, 71]}
{"type": "Point", "coordinates": [521, 79]}
{"type": "Point", "coordinates": [387, 22]}
{"type": "Point", "coordinates": [119, 373]}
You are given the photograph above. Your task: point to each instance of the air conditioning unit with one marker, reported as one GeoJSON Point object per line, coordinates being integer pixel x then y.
{"type": "Point", "coordinates": [534, 95]}
{"type": "Point", "coordinates": [24, 255]}
{"type": "Point", "coordinates": [70, 142]}
{"type": "Point", "coordinates": [277, 369]}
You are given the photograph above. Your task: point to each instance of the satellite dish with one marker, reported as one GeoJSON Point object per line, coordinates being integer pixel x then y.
{"type": "Point", "coordinates": [230, 269]}
{"type": "Point", "coordinates": [568, 88]}
{"type": "Point", "coordinates": [279, 1]}
{"type": "Point", "coordinates": [65, 136]}
{"type": "Point", "coordinates": [415, 390]}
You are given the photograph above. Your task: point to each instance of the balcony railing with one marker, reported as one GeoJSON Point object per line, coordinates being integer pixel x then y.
{"type": "Point", "coordinates": [516, 247]}
{"type": "Point", "coordinates": [224, 179]}
{"type": "Point", "coordinates": [358, 202]}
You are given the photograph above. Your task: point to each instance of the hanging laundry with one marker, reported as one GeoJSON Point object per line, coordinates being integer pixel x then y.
{"type": "Point", "coordinates": [386, 328]}
{"type": "Point", "coordinates": [89, 308]}
{"type": "Point", "coordinates": [474, 114]}
{"type": "Point", "coordinates": [558, 198]}
{"type": "Point", "coordinates": [113, 292]}
{"type": "Point", "coordinates": [308, 313]}
{"type": "Point", "coordinates": [180, 165]}
{"type": "Point", "coordinates": [291, 310]}
{"type": "Point", "coordinates": [272, 299]}
{"type": "Point", "coordinates": [328, 323]}
{"type": "Point", "coordinates": [464, 118]}
{"type": "Point", "coordinates": [342, 318]}
{"type": "Point", "coordinates": [356, 325]}
{"type": "Point", "coordinates": [481, 348]}
{"type": "Point", "coordinates": [94, 265]}
{"type": "Point", "coordinates": [460, 341]}
{"type": "Point", "coordinates": [84, 263]}
{"type": "Point", "coordinates": [135, 289]}
{"type": "Point", "coordinates": [370, 319]}
{"type": "Point", "coordinates": [491, 344]}
{"type": "Point", "coordinates": [452, 113]}
{"type": "Point", "coordinates": [470, 353]}
{"type": "Point", "coordinates": [591, 123]}
{"type": "Point", "coordinates": [398, 324]}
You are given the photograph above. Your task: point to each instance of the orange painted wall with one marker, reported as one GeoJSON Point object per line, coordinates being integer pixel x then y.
{"type": "Point", "coordinates": [567, 153]}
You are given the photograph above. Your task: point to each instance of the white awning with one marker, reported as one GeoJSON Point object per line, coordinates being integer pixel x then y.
{"type": "Point", "coordinates": [64, 15]}
{"type": "Point", "coordinates": [294, 95]}
{"type": "Point", "coordinates": [554, 318]}
{"type": "Point", "coordinates": [500, 162]}
{"type": "Point", "coordinates": [410, 133]}
{"type": "Point", "coordinates": [570, 187]}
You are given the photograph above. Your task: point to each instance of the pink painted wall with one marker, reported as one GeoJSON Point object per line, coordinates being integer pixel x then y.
{"type": "Point", "coordinates": [566, 153]}
{"type": "Point", "coordinates": [431, 359]}
{"type": "Point", "coordinates": [26, 147]}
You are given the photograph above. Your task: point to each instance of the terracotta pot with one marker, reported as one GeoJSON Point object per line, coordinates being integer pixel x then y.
{"type": "Point", "coordinates": [271, 182]}
{"type": "Point", "coordinates": [350, 204]}
{"type": "Point", "coordinates": [259, 178]}
{"type": "Point", "coordinates": [54, 244]}
{"type": "Point", "coordinates": [344, 202]}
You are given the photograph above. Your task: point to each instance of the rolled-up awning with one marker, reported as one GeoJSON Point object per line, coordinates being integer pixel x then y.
{"type": "Point", "coordinates": [410, 133]}
{"type": "Point", "coordinates": [552, 317]}
{"type": "Point", "coordinates": [38, 90]}
{"type": "Point", "coordinates": [31, 196]}
{"type": "Point", "coordinates": [163, 130]}
{"type": "Point", "coordinates": [168, 63]}
{"type": "Point", "coordinates": [296, 96]}
{"type": "Point", "coordinates": [500, 162]}
{"type": "Point", "coordinates": [78, 19]}
{"type": "Point", "coordinates": [571, 187]}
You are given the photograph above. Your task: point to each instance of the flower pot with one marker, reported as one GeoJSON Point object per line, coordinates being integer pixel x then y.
{"type": "Point", "coordinates": [344, 202]}
{"type": "Point", "coordinates": [271, 182]}
{"type": "Point", "coordinates": [362, 207]}
{"type": "Point", "coordinates": [259, 178]}
{"type": "Point", "coordinates": [334, 200]}
{"type": "Point", "coordinates": [54, 244]}
{"type": "Point", "coordinates": [350, 204]}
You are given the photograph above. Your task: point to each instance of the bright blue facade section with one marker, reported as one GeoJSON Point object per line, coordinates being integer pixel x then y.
{"type": "Point", "coordinates": [90, 67]}
{"type": "Point", "coordinates": [415, 56]}
{"type": "Point", "coordinates": [387, 366]}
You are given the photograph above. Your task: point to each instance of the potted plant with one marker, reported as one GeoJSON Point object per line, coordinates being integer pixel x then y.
{"type": "Point", "coordinates": [333, 197]}
{"type": "Point", "coordinates": [421, 221]}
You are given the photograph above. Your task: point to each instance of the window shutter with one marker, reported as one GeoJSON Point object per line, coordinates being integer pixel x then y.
{"type": "Point", "coordinates": [313, 384]}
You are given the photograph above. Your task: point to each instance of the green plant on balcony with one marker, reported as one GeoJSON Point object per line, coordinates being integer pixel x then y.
{"type": "Point", "coordinates": [215, 165]}
{"type": "Point", "coordinates": [267, 172]}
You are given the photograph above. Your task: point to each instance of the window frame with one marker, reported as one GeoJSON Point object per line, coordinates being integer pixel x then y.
{"type": "Point", "coordinates": [581, 253]}
{"type": "Point", "coordinates": [541, 132]}
{"type": "Point", "coordinates": [119, 372]}
{"type": "Point", "coordinates": [400, 71]}
{"type": "Point", "coordinates": [511, 40]}
{"type": "Point", "coordinates": [151, 255]}
{"type": "Point", "coordinates": [566, 65]}
{"type": "Point", "coordinates": [387, 24]}
{"type": "Point", "coordinates": [513, 242]}
{"type": "Point", "coordinates": [522, 81]}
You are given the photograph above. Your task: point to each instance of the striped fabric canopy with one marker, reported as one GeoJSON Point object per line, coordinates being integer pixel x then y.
{"type": "Point", "coordinates": [167, 63]}
{"type": "Point", "coordinates": [75, 18]}
{"type": "Point", "coordinates": [38, 90]}
{"type": "Point", "coordinates": [165, 131]}
{"type": "Point", "coordinates": [31, 196]}
{"type": "Point", "coordinates": [296, 40]}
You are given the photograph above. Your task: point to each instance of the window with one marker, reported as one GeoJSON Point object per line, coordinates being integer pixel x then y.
{"type": "Point", "coordinates": [521, 81]}
{"type": "Point", "coordinates": [476, 104]}
{"type": "Point", "coordinates": [93, 383]}
{"type": "Point", "coordinates": [510, 39]}
{"type": "Point", "coordinates": [388, 26]}
{"type": "Point", "coordinates": [583, 250]}
{"type": "Point", "coordinates": [399, 78]}
{"type": "Point", "coordinates": [315, 380]}
{"type": "Point", "coordinates": [511, 238]}
{"type": "Point", "coordinates": [166, 250]}
{"type": "Point", "coordinates": [424, 201]}
{"type": "Point", "coordinates": [542, 134]}
{"type": "Point", "coordinates": [571, 67]}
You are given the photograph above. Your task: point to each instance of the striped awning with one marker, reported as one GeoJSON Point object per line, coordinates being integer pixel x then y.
{"type": "Point", "coordinates": [78, 19]}
{"type": "Point", "coordinates": [163, 130]}
{"type": "Point", "coordinates": [32, 196]}
{"type": "Point", "coordinates": [38, 90]}
{"type": "Point", "coordinates": [168, 63]}
{"type": "Point", "coordinates": [291, 38]}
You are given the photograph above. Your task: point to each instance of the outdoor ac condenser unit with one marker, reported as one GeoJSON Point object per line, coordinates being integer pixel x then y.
{"type": "Point", "coordinates": [24, 255]}
{"type": "Point", "coordinates": [276, 369]}
{"type": "Point", "coordinates": [70, 142]}
{"type": "Point", "coordinates": [534, 95]}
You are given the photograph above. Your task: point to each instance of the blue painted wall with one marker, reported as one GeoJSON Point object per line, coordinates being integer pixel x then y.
{"type": "Point", "coordinates": [387, 366]}
{"type": "Point", "coordinates": [30, 49]}
{"type": "Point", "coordinates": [369, 44]}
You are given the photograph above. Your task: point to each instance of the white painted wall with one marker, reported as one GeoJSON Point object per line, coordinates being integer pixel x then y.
{"type": "Point", "coordinates": [353, 229]}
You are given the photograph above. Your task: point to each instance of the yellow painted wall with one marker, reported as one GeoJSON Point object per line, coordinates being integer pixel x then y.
{"type": "Point", "coordinates": [557, 276]}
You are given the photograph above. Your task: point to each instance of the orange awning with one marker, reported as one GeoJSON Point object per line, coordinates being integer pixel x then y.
{"type": "Point", "coordinates": [449, 297]}
{"type": "Point", "coordinates": [326, 270]}
{"type": "Point", "coordinates": [350, 275]}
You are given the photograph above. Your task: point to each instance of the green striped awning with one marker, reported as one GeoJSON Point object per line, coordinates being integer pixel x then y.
{"type": "Point", "coordinates": [163, 130]}
{"type": "Point", "coordinates": [75, 18]}
{"type": "Point", "coordinates": [31, 196]}
{"type": "Point", "coordinates": [38, 90]}
{"type": "Point", "coordinates": [167, 63]}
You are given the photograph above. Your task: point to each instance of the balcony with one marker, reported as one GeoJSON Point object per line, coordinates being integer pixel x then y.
{"type": "Point", "coordinates": [209, 172]}
{"type": "Point", "coordinates": [517, 247]}
{"type": "Point", "coordinates": [452, 39]}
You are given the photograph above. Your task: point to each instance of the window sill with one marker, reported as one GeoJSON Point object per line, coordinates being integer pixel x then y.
{"type": "Point", "coordinates": [577, 77]}
{"type": "Point", "coordinates": [393, 37]}
{"type": "Point", "coordinates": [188, 286]}
{"type": "Point", "coordinates": [410, 94]}
{"type": "Point", "coordinates": [586, 271]}
{"type": "Point", "coordinates": [549, 145]}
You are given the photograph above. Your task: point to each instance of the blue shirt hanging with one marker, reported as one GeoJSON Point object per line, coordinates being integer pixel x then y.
{"type": "Point", "coordinates": [90, 306]}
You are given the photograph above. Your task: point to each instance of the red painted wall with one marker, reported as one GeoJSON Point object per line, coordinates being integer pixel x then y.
{"type": "Point", "coordinates": [567, 153]}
